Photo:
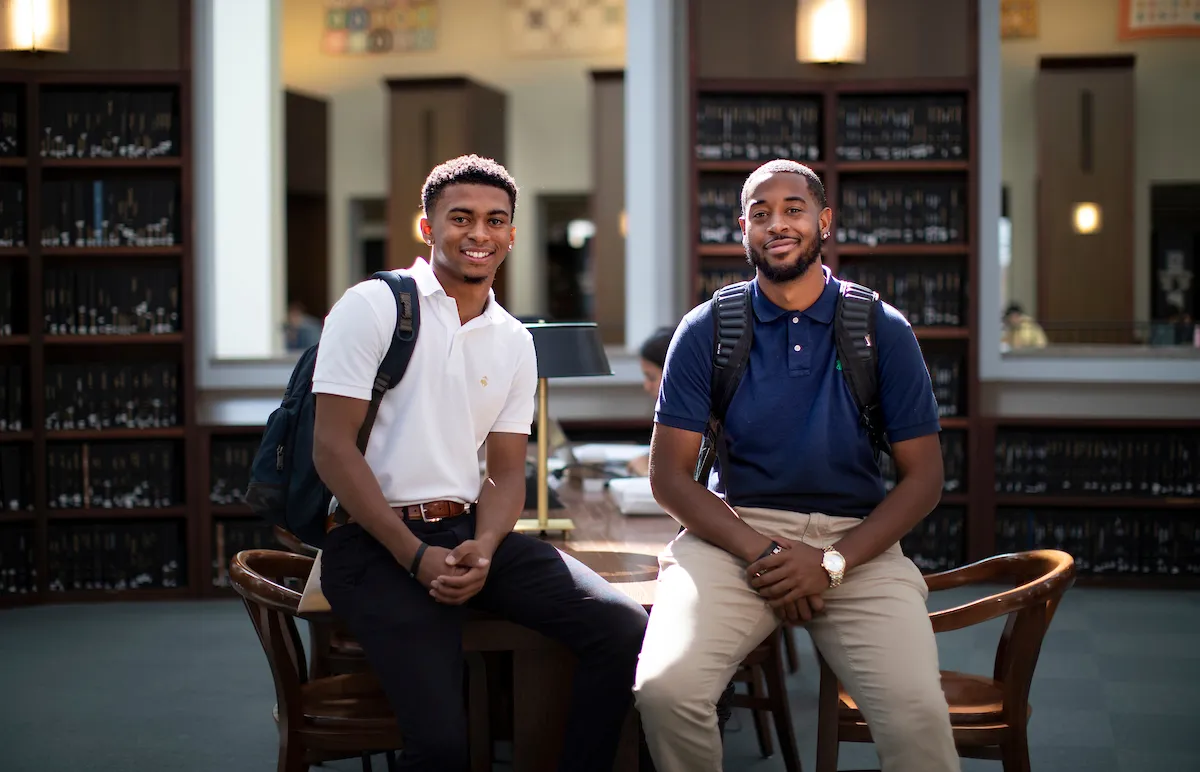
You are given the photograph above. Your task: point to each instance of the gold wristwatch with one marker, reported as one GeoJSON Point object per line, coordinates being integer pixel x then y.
{"type": "Point", "coordinates": [834, 565]}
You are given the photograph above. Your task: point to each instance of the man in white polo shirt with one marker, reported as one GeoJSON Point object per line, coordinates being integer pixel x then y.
{"type": "Point", "coordinates": [414, 537]}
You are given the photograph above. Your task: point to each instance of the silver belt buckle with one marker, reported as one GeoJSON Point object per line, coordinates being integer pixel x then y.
{"type": "Point", "coordinates": [427, 518]}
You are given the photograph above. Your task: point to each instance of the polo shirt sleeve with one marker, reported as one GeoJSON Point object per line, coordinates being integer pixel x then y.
{"type": "Point", "coordinates": [516, 417]}
{"type": "Point", "coordinates": [352, 345]}
{"type": "Point", "coordinates": [684, 398]}
{"type": "Point", "coordinates": [905, 390]}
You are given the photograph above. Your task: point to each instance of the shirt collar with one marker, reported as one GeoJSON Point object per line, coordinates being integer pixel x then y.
{"type": "Point", "coordinates": [428, 284]}
{"type": "Point", "coordinates": [423, 274]}
{"type": "Point", "coordinates": [820, 311]}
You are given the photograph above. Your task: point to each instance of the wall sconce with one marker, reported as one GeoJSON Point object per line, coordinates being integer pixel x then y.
{"type": "Point", "coordinates": [831, 31]}
{"type": "Point", "coordinates": [35, 25]}
{"type": "Point", "coordinates": [420, 237]}
{"type": "Point", "coordinates": [623, 224]}
{"type": "Point", "coordinates": [1086, 217]}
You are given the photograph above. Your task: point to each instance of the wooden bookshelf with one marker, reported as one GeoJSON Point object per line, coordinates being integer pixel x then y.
{"type": "Point", "coordinates": [224, 525]}
{"type": "Point", "coordinates": [1131, 511]}
{"type": "Point", "coordinates": [801, 118]}
{"type": "Point", "coordinates": [40, 95]}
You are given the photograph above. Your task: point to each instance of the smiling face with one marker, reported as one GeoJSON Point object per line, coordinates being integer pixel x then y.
{"type": "Point", "coordinates": [471, 232]}
{"type": "Point", "coordinates": [783, 225]}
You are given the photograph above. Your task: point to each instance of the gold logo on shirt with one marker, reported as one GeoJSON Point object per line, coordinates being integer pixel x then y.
{"type": "Point", "coordinates": [483, 381]}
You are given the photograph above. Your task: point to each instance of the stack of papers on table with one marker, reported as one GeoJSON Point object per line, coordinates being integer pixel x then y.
{"type": "Point", "coordinates": [633, 497]}
{"type": "Point", "coordinates": [608, 452]}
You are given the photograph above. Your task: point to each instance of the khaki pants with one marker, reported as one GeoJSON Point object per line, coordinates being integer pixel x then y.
{"type": "Point", "coordinates": [874, 633]}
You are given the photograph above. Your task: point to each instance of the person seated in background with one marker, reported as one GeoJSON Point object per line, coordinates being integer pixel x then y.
{"type": "Point", "coordinates": [653, 356]}
{"type": "Point", "coordinates": [1020, 330]}
{"type": "Point", "coordinates": [302, 329]}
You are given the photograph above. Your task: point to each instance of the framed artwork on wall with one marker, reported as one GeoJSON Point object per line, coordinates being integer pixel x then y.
{"type": "Point", "coordinates": [565, 28]}
{"type": "Point", "coordinates": [1158, 19]}
{"type": "Point", "coordinates": [1018, 19]}
{"type": "Point", "coordinates": [366, 27]}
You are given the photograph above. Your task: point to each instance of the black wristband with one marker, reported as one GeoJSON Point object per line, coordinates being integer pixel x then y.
{"type": "Point", "coordinates": [416, 564]}
{"type": "Point", "coordinates": [771, 549]}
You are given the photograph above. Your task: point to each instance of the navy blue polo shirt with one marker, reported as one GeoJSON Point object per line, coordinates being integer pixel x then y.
{"type": "Point", "coordinates": [793, 435]}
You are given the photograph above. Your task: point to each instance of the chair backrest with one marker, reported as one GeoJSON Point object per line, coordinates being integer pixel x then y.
{"type": "Point", "coordinates": [1040, 578]}
{"type": "Point", "coordinates": [259, 576]}
{"type": "Point", "coordinates": [292, 543]}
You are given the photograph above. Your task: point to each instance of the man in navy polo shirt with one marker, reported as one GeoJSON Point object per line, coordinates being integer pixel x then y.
{"type": "Point", "coordinates": [795, 526]}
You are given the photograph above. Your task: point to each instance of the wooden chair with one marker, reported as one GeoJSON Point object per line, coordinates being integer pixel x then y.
{"type": "Point", "coordinates": [332, 649]}
{"type": "Point", "coordinates": [763, 673]}
{"type": "Point", "coordinates": [989, 715]}
{"type": "Point", "coordinates": [332, 717]}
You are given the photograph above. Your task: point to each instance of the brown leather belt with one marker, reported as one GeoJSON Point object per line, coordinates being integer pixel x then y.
{"type": "Point", "coordinates": [429, 512]}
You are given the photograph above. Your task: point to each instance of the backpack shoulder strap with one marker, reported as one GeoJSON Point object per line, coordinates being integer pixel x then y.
{"type": "Point", "coordinates": [404, 342]}
{"type": "Point", "coordinates": [733, 333]}
{"type": "Point", "coordinates": [854, 334]}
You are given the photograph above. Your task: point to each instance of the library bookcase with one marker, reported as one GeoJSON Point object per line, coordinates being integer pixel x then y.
{"type": "Point", "coordinates": [97, 336]}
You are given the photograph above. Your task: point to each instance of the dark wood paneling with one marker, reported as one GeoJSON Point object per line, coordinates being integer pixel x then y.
{"type": "Point", "coordinates": [432, 120]}
{"type": "Point", "coordinates": [306, 174]}
{"type": "Point", "coordinates": [759, 40]}
{"type": "Point", "coordinates": [1085, 154]}
{"type": "Point", "coordinates": [307, 253]}
{"type": "Point", "coordinates": [608, 202]}
{"type": "Point", "coordinates": [306, 122]}
{"type": "Point", "coordinates": [117, 35]}
{"type": "Point", "coordinates": [1114, 61]}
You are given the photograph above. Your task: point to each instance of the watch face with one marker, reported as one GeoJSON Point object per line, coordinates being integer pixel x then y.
{"type": "Point", "coordinates": [834, 562]}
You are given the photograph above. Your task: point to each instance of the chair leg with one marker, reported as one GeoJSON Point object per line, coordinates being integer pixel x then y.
{"type": "Point", "coordinates": [762, 726]}
{"type": "Point", "coordinates": [367, 765]}
{"type": "Point", "coordinates": [1014, 754]}
{"type": "Point", "coordinates": [393, 761]}
{"type": "Point", "coordinates": [827, 719]}
{"type": "Point", "coordinates": [789, 644]}
{"type": "Point", "coordinates": [478, 719]}
{"type": "Point", "coordinates": [777, 692]}
{"type": "Point", "coordinates": [291, 756]}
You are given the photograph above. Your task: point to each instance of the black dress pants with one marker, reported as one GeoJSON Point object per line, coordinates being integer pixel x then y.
{"type": "Point", "coordinates": [414, 643]}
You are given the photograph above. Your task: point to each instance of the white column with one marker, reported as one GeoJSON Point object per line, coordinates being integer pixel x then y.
{"type": "Point", "coordinates": [991, 179]}
{"type": "Point", "coordinates": [653, 250]}
{"type": "Point", "coordinates": [238, 147]}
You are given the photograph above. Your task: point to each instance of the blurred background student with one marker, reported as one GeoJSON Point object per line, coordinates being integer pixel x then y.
{"type": "Point", "coordinates": [653, 357]}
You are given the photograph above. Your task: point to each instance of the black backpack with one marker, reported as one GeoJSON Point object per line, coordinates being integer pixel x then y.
{"type": "Point", "coordinates": [284, 488]}
{"type": "Point", "coordinates": [733, 333]}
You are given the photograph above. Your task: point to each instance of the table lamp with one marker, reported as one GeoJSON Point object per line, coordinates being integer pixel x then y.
{"type": "Point", "coordinates": [564, 350]}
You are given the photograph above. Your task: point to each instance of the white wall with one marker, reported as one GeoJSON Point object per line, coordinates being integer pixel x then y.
{"type": "Point", "coordinates": [1167, 112]}
{"type": "Point", "coordinates": [549, 118]}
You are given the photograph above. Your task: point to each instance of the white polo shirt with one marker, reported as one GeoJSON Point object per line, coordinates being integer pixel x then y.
{"type": "Point", "coordinates": [463, 382]}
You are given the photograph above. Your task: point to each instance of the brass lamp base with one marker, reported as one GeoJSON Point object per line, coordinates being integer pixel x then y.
{"type": "Point", "coordinates": [534, 525]}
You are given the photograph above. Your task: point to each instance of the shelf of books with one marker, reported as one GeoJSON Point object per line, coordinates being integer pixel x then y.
{"type": "Point", "coordinates": [226, 524]}
{"type": "Point", "coordinates": [1122, 496]}
{"type": "Point", "coordinates": [897, 162]}
{"type": "Point", "coordinates": [96, 336]}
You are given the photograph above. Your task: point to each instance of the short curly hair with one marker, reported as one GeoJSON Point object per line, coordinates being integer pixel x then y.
{"type": "Point", "coordinates": [467, 170]}
{"type": "Point", "coordinates": [815, 186]}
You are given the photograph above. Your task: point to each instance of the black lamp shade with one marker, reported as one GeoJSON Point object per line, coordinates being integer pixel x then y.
{"type": "Point", "coordinates": [568, 349]}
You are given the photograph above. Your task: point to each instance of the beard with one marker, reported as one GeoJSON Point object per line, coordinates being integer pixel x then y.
{"type": "Point", "coordinates": [782, 274]}
{"type": "Point", "coordinates": [467, 279]}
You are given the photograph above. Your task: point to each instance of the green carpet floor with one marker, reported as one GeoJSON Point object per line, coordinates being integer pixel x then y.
{"type": "Point", "coordinates": [184, 687]}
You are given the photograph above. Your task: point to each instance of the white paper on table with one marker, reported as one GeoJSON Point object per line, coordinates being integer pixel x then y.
{"type": "Point", "coordinates": [608, 452]}
{"type": "Point", "coordinates": [632, 496]}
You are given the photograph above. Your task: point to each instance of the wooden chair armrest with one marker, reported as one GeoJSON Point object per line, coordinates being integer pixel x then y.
{"type": "Point", "coordinates": [1042, 585]}
{"type": "Point", "coordinates": [257, 575]}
